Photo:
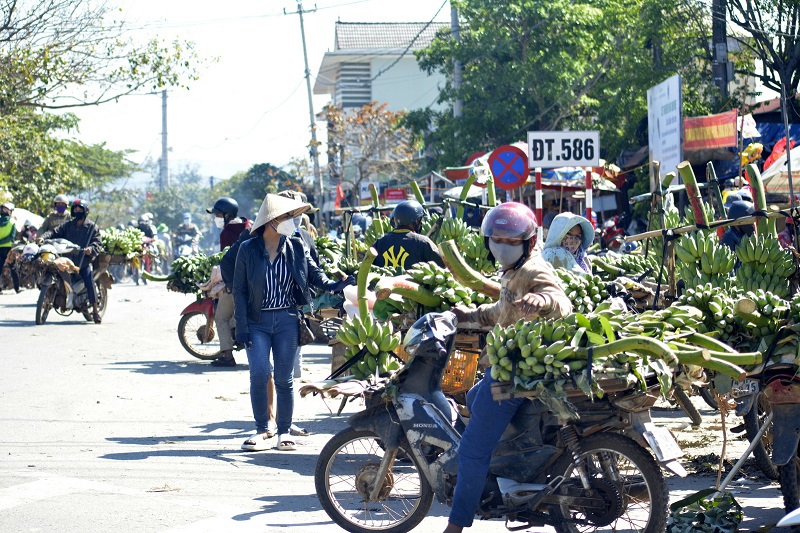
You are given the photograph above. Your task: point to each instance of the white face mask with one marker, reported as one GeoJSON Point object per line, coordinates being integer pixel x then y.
{"type": "Point", "coordinates": [298, 221]}
{"type": "Point", "coordinates": [219, 222]}
{"type": "Point", "coordinates": [285, 228]}
{"type": "Point", "coordinates": [506, 254]}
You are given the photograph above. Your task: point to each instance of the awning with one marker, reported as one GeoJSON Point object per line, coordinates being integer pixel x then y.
{"type": "Point", "coordinates": [779, 183]}
{"type": "Point", "coordinates": [455, 192]}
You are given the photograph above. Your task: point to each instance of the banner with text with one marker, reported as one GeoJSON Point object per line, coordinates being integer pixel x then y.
{"type": "Point", "coordinates": [712, 131]}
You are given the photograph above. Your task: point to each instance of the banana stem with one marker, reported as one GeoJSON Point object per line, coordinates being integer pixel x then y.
{"type": "Point", "coordinates": [373, 193]}
{"type": "Point", "coordinates": [491, 196]}
{"type": "Point", "coordinates": [764, 226]}
{"type": "Point", "coordinates": [745, 309]}
{"type": "Point", "coordinates": [464, 196]}
{"type": "Point", "coordinates": [636, 344]}
{"type": "Point", "coordinates": [464, 273]}
{"type": "Point", "coordinates": [605, 267]}
{"type": "Point", "coordinates": [417, 192]}
{"type": "Point", "coordinates": [710, 343]}
{"type": "Point", "coordinates": [692, 191]}
{"type": "Point", "coordinates": [361, 282]}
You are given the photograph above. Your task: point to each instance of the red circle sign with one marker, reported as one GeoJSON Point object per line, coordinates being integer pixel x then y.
{"type": "Point", "coordinates": [509, 166]}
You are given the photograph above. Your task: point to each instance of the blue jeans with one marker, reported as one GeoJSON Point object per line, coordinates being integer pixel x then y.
{"type": "Point", "coordinates": [487, 423]}
{"type": "Point", "coordinates": [87, 275]}
{"type": "Point", "coordinates": [276, 334]}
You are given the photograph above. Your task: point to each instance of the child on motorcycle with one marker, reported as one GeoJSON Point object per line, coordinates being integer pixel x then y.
{"type": "Point", "coordinates": [529, 289]}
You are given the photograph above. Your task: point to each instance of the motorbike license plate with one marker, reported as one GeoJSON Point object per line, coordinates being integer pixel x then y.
{"type": "Point", "coordinates": [746, 387]}
{"type": "Point", "coordinates": [663, 444]}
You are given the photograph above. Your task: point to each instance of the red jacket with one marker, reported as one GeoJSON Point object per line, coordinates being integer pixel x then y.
{"type": "Point", "coordinates": [232, 230]}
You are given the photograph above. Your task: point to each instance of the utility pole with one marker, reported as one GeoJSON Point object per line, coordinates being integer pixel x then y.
{"type": "Point", "coordinates": [163, 175]}
{"type": "Point", "coordinates": [455, 33]}
{"type": "Point", "coordinates": [719, 50]}
{"type": "Point", "coordinates": [319, 190]}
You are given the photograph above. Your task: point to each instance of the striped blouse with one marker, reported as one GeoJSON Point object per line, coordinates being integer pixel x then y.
{"type": "Point", "coordinates": [278, 288]}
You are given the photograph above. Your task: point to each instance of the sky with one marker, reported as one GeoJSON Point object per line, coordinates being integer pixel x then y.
{"type": "Point", "coordinates": [251, 105]}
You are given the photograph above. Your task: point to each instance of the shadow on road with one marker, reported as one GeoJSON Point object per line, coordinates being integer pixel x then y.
{"type": "Point", "coordinates": [195, 366]}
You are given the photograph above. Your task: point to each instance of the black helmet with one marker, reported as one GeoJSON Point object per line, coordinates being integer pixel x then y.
{"type": "Point", "coordinates": [79, 203]}
{"type": "Point", "coordinates": [227, 207]}
{"type": "Point", "coordinates": [740, 209]}
{"type": "Point", "coordinates": [408, 213]}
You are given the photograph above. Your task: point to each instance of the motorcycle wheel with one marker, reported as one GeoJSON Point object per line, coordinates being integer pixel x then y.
{"type": "Point", "coordinates": [45, 303]}
{"type": "Point", "coordinates": [345, 475]}
{"type": "Point", "coordinates": [101, 292]}
{"type": "Point", "coordinates": [192, 334]}
{"type": "Point", "coordinates": [685, 403]}
{"type": "Point", "coordinates": [707, 393]}
{"type": "Point", "coordinates": [790, 489]}
{"type": "Point", "coordinates": [626, 475]}
{"type": "Point", "coordinates": [762, 453]}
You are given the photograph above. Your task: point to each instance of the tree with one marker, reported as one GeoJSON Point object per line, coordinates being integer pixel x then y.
{"type": "Point", "coordinates": [187, 194]}
{"type": "Point", "coordinates": [532, 65]}
{"type": "Point", "coordinates": [249, 188]}
{"type": "Point", "coordinates": [66, 53]}
{"type": "Point", "coordinates": [772, 27]}
{"type": "Point", "coordinates": [374, 143]}
{"type": "Point", "coordinates": [36, 163]}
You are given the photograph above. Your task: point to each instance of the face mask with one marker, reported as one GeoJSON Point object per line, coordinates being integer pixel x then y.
{"type": "Point", "coordinates": [219, 222]}
{"type": "Point", "coordinates": [297, 221]}
{"type": "Point", "coordinates": [571, 243]}
{"type": "Point", "coordinates": [285, 228]}
{"type": "Point", "coordinates": [506, 254]}
{"type": "Point", "coordinates": [61, 209]}
{"type": "Point", "coordinates": [4, 218]}
{"type": "Point", "coordinates": [78, 215]}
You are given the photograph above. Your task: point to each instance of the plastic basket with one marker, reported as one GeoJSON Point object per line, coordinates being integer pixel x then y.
{"type": "Point", "coordinates": [459, 374]}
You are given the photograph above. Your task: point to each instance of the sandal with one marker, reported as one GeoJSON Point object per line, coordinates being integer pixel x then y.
{"type": "Point", "coordinates": [285, 443]}
{"type": "Point", "coordinates": [297, 431]}
{"type": "Point", "coordinates": [256, 443]}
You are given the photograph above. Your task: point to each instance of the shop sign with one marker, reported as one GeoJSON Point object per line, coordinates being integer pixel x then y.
{"type": "Point", "coordinates": [554, 149]}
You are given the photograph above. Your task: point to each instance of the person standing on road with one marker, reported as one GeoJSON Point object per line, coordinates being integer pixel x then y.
{"type": "Point", "coordinates": [273, 276]}
{"type": "Point", "coordinates": [84, 233]}
{"type": "Point", "coordinates": [404, 247]}
{"type": "Point", "coordinates": [226, 218]}
{"type": "Point", "coordinates": [528, 289]}
{"type": "Point", "coordinates": [8, 234]}
{"type": "Point", "coordinates": [58, 216]}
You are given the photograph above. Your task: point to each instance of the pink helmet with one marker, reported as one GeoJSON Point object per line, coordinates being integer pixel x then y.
{"type": "Point", "coordinates": [510, 220]}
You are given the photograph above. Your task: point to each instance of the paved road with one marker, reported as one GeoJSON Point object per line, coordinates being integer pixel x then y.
{"type": "Point", "coordinates": [115, 428]}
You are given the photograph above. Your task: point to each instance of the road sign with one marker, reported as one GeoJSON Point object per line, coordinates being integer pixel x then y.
{"type": "Point", "coordinates": [553, 149]}
{"type": "Point", "coordinates": [509, 167]}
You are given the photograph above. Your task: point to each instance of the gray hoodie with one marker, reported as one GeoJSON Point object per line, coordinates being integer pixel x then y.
{"type": "Point", "coordinates": [559, 256]}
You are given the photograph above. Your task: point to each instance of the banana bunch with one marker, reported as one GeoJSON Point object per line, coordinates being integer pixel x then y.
{"type": "Point", "coordinates": [658, 323]}
{"type": "Point", "coordinates": [326, 244]}
{"type": "Point", "coordinates": [716, 305]}
{"type": "Point", "coordinates": [613, 265]}
{"type": "Point", "coordinates": [770, 312]}
{"type": "Point", "coordinates": [765, 265]}
{"type": "Point", "coordinates": [189, 271]}
{"type": "Point", "coordinates": [585, 292]}
{"type": "Point", "coordinates": [378, 338]}
{"type": "Point", "coordinates": [539, 349]}
{"type": "Point", "coordinates": [442, 284]}
{"type": "Point", "coordinates": [127, 242]}
{"type": "Point", "coordinates": [379, 227]}
{"type": "Point", "coordinates": [428, 223]}
{"type": "Point", "coordinates": [453, 228]}
{"type": "Point", "coordinates": [704, 249]}
{"type": "Point", "coordinates": [688, 214]}
{"type": "Point", "coordinates": [475, 253]}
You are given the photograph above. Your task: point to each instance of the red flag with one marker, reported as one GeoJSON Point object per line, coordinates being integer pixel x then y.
{"type": "Point", "coordinates": [339, 196]}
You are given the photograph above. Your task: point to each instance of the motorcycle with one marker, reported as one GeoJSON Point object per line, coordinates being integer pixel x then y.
{"type": "Point", "coordinates": [196, 330]}
{"type": "Point", "coordinates": [382, 472]}
{"type": "Point", "coordinates": [61, 287]}
{"type": "Point", "coordinates": [184, 246]}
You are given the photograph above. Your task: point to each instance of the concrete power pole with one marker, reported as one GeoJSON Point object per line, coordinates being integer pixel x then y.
{"type": "Point", "coordinates": [719, 40]}
{"type": "Point", "coordinates": [455, 32]}
{"type": "Point", "coordinates": [318, 188]}
{"type": "Point", "coordinates": [163, 175]}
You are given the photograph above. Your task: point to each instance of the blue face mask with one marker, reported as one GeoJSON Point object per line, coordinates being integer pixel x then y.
{"type": "Point", "coordinates": [61, 209]}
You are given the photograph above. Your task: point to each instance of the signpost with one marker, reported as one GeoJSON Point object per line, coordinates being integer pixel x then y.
{"type": "Point", "coordinates": [553, 149]}
{"type": "Point", "coordinates": [509, 166]}
{"type": "Point", "coordinates": [665, 127]}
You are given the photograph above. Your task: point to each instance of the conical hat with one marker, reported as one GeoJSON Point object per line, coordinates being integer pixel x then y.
{"type": "Point", "coordinates": [274, 206]}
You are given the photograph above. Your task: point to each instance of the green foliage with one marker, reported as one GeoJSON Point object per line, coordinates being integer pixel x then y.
{"type": "Point", "coordinates": [532, 65]}
{"type": "Point", "coordinates": [249, 188]}
{"type": "Point", "coordinates": [186, 193]}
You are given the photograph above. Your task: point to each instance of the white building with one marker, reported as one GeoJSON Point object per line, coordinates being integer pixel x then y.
{"type": "Point", "coordinates": [375, 62]}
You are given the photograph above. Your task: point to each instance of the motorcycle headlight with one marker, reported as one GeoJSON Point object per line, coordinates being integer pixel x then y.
{"type": "Point", "coordinates": [46, 256]}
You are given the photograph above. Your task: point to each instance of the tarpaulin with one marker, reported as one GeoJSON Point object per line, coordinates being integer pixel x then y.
{"type": "Point", "coordinates": [712, 131]}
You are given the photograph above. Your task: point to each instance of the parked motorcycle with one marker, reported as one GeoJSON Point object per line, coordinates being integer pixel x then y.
{"type": "Point", "coordinates": [197, 331]}
{"type": "Point", "coordinates": [382, 472]}
{"type": "Point", "coordinates": [62, 291]}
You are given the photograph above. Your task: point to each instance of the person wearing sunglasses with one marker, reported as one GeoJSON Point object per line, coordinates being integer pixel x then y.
{"type": "Point", "coordinates": [569, 237]}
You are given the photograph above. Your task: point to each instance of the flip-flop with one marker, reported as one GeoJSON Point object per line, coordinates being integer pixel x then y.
{"type": "Point", "coordinates": [296, 431]}
{"type": "Point", "coordinates": [285, 444]}
{"type": "Point", "coordinates": [256, 443]}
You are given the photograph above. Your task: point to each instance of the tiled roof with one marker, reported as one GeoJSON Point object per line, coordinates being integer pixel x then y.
{"type": "Point", "coordinates": [385, 35]}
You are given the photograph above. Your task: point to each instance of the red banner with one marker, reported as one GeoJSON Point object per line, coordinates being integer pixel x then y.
{"type": "Point", "coordinates": [712, 131]}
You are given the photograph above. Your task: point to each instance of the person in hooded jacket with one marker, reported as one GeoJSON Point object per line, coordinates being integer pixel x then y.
{"type": "Point", "coordinates": [226, 217]}
{"type": "Point", "coordinates": [734, 234]}
{"type": "Point", "coordinates": [272, 278]}
{"type": "Point", "coordinates": [569, 237]}
{"type": "Point", "coordinates": [8, 234]}
{"type": "Point", "coordinates": [58, 216]}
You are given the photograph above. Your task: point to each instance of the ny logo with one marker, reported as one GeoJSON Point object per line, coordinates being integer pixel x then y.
{"type": "Point", "coordinates": [395, 260]}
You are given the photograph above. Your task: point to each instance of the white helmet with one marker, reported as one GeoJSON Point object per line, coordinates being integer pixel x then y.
{"type": "Point", "coordinates": [61, 198]}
